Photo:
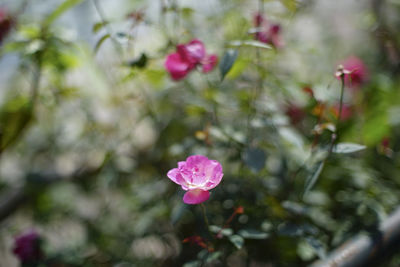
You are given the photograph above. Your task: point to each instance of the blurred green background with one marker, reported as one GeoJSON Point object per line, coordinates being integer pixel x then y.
{"type": "Point", "coordinates": [91, 122]}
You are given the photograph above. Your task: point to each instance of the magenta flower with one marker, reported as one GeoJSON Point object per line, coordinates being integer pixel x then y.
{"type": "Point", "coordinates": [209, 63]}
{"type": "Point", "coordinates": [27, 247]}
{"type": "Point", "coordinates": [193, 52]}
{"type": "Point", "coordinates": [269, 33]}
{"type": "Point", "coordinates": [177, 67]}
{"type": "Point", "coordinates": [197, 175]}
{"type": "Point", "coordinates": [187, 57]}
{"type": "Point", "coordinates": [355, 72]}
{"type": "Point", "coordinates": [347, 111]}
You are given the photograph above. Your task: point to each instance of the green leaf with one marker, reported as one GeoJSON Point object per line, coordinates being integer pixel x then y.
{"type": "Point", "coordinates": [227, 62]}
{"type": "Point", "coordinates": [313, 177]}
{"type": "Point", "coordinates": [14, 118]}
{"type": "Point", "coordinates": [187, 12]}
{"type": "Point", "coordinates": [344, 148]}
{"type": "Point", "coordinates": [155, 77]}
{"type": "Point", "coordinates": [237, 241]}
{"type": "Point", "coordinates": [291, 229]}
{"type": "Point", "coordinates": [250, 43]}
{"type": "Point", "coordinates": [213, 256]}
{"type": "Point", "coordinates": [60, 10]}
{"type": "Point", "coordinates": [254, 158]}
{"type": "Point", "coordinates": [295, 208]}
{"type": "Point", "coordinates": [376, 127]}
{"type": "Point", "coordinates": [68, 92]}
{"type": "Point", "coordinates": [207, 257]}
{"type": "Point", "coordinates": [16, 46]}
{"type": "Point", "coordinates": [290, 5]}
{"type": "Point", "coordinates": [252, 234]}
{"type": "Point", "coordinates": [140, 62]}
{"type": "Point", "coordinates": [240, 65]}
{"type": "Point", "coordinates": [100, 42]}
{"type": "Point", "coordinates": [224, 231]}
{"type": "Point", "coordinates": [98, 26]}
{"type": "Point", "coordinates": [195, 263]}
{"type": "Point", "coordinates": [317, 246]}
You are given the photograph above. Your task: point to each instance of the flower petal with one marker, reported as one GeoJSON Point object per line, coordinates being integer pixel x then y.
{"type": "Point", "coordinates": [195, 160]}
{"type": "Point", "coordinates": [358, 73]}
{"type": "Point", "coordinates": [215, 174]}
{"type": "Point", "coordinates": [177, 66]}
{"type": "Point", "coordinates": [175, 176]}
{"type": "Point", "coordinates": [192, 52]}
{"type": "Point", "coordinates": [209, 63]}
{"type": "Point", "coordinates": [196, 196]}
{"type": "Point", "coordinates": [181, 164]}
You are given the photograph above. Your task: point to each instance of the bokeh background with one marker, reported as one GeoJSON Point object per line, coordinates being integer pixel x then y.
{"type": "Point", "coordinates": [91, 122]}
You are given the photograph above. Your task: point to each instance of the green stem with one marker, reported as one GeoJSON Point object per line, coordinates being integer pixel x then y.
{"type": "Point", "coordinates": [203, 209]}
{"type": "Point", "coordinates": [341, 101]}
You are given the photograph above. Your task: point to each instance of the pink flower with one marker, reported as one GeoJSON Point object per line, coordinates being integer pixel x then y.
{"type": "Point", "coordinates": [355, 72]}
{"type": "Point", "coordinates": [27, 247]}
{"type": "Point", "coordinates": [196, 175]}
{"type": "Point", "coordinates": [6, 23]}
{"type": "Point", "coordinates": [209, 63]}
{"type": "Point", "coordinates": [269, 33]}
{"type": "Point", "coordinates": [187, 57]}
{"type": "Point", "coordinates": [347, 111]}
{"type": "Point", "coordinates": [177, 67]}
{"type": "Point", "coordinates": [193, 52]}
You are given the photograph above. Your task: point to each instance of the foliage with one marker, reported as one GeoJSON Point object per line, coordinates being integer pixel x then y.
{"type": "Point", "coordinates": [89, 130]}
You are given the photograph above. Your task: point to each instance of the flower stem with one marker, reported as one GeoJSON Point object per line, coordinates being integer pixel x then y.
{"type": "Point", "coordinates": [341, 101]}
{"type": "Point", "coordinates": [203, 209]}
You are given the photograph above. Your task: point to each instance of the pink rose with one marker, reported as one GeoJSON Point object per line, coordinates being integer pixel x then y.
{"type": "Point", "coordinates": [196, 175]}
{"type": "Point", "coordinates": [187, 57]}
{"type": "Point", "coordinates": [193, 52]}
{"type": "Point", "coordinates": [209, 63]}
{"type": "Point", "coordinates": [355, 72]}
{"type": "Point", "coordinates": [177, 67]}
{"type": "Point", "coordinates": [269, 33]}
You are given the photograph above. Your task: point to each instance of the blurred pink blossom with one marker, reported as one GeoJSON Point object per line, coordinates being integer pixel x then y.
{"type": "Point", "coordinates": [197, 175]}
{"type": "Point", "coordinates": [209, 62]}
{"type": "Point", "coordinates": [347, 111]}
{"type": "Point", "coordinates": [295, 113]}
{"type": "Point", "coordinates": [269, 33]}
{"type": "Point", "coordinates": [193, 52]}
{"type": "Point", "coordinates": [6, 23]}
{"type": "Point", "coordinates": [355, 72]}
{"type": "Point", "coordinates": [187, 57]}
{"type": "Point", "coordinates": [177, 67]}
{"type": "Point", "coordinates": [27, 247]}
